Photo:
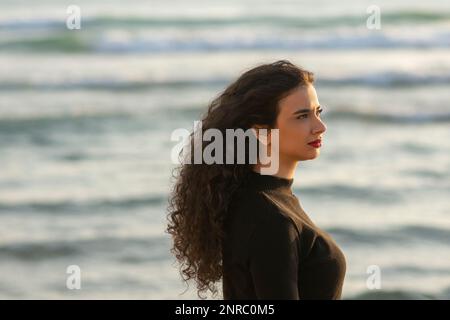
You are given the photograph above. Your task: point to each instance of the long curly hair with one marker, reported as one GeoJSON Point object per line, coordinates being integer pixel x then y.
{"type": "Point", "coordinates": [202, 193]}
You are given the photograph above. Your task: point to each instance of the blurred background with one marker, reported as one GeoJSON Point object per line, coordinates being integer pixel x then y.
{"type": "Point", "coordinates": [86, 118]}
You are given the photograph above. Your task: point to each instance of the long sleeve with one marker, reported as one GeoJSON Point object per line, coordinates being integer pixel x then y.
{"type": "Point", "coordinates": [274, 259]}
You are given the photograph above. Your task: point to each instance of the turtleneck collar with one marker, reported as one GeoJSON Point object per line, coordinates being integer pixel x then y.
{"type": "Point", "coordinates": [268, 182]}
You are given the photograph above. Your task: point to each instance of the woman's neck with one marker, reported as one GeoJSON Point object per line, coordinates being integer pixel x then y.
{"type": "Point", "coordinates": [285, 169]}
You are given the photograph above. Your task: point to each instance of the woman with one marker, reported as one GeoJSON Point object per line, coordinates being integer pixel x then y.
{"type": "Point", "coordinates": [230, 222]}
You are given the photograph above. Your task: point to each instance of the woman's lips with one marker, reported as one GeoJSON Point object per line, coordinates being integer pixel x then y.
{"type": "Point", "coordinates": [316, 143]}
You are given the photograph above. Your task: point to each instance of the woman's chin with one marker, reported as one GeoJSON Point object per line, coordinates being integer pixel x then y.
{"type": "Point", "coordinates": [312, 155]}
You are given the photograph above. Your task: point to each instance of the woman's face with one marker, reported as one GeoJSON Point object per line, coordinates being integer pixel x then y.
{"type": "Point", "coordinates": [299, 123]}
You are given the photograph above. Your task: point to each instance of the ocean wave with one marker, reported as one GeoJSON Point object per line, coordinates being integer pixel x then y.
{"type": "Point", "coordinates": [88, 207]}
{"type": "Point", "coordinates": [373, 117]}
{"type": "Point", "coordinates": [415, 270]}
{"type": "Point", "coordinates": [61, 42]}
{"type": "Point", "coordinates": [128, 250]}
{"type": "Point", "coordinates": [72, 42]}
{"type": "Point", "coordinates": [111, 85]}
{"type": "Point", "coordinates": [399, 17]}
{"type": "Point", "coordinates": [393, 295]}
{"type": "Point", "coordinates": [408, 234]}
{"type": "Point", "coordinates": [388, 80]}
{"type": "Point", "coordinates": [36, 128]}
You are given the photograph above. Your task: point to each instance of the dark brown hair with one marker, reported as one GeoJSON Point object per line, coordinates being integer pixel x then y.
{"type": "Point", "coordinates": [202, 193]}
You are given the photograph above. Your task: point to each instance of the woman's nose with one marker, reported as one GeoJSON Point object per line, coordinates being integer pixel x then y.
{"type": "Point", "coordinates": [320, 127]}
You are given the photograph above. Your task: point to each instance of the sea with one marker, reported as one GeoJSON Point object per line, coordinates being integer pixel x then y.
{"type": "Point", "coordinates": [87, 116]}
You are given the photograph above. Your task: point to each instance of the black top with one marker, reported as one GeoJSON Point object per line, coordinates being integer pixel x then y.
{"type": "Point", "coordinates": [272, 250]}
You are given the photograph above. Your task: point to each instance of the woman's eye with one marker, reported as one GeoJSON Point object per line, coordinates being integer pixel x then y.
{"type": "Point", "coordinates": [304, 116]}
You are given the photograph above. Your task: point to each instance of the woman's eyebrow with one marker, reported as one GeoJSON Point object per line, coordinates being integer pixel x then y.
{"type": "Point", "coordinates": [306, 110]}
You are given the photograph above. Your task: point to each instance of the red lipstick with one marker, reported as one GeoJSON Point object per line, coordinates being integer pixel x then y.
{"type": "Point", "coordinates": [316, 143]}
